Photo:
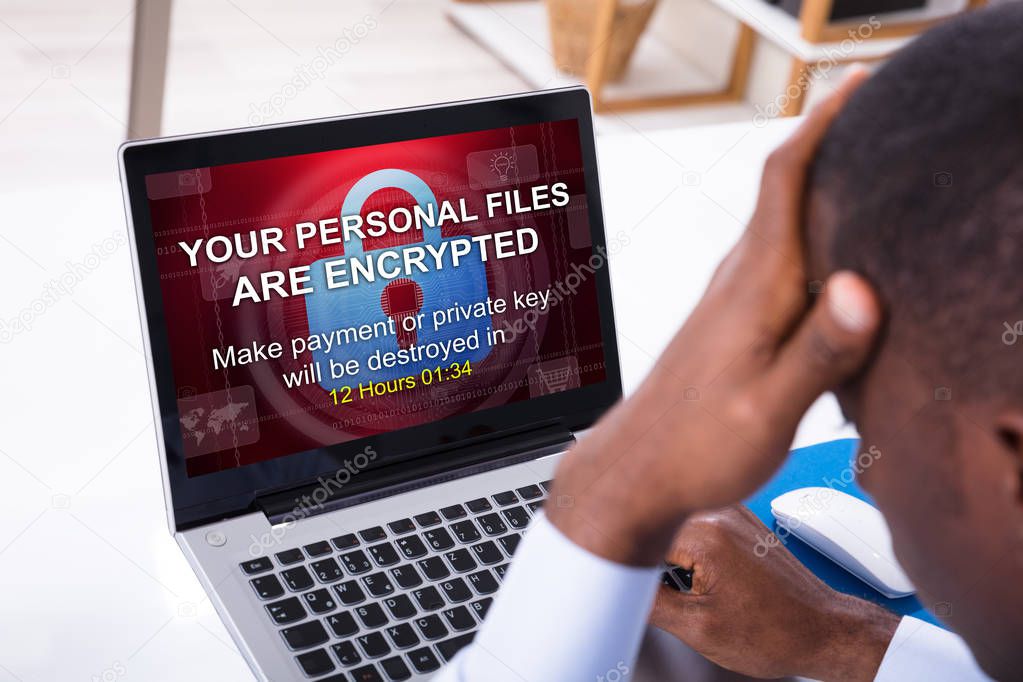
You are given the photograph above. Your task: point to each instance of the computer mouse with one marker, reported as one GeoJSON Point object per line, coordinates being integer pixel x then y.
{"type": "Point", "coordinates": [847, 530]}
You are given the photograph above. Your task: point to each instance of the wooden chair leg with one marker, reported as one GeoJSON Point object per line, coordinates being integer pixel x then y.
{"type": "Point", "coordinates": [795, 91]}
{"type": "Point", "coordinates": [741, 59]}
{"type": "Point", "coordinates": [596, 65]}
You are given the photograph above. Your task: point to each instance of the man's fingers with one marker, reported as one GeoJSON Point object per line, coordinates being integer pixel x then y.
{"type": "Point", "coordinates": [782, 185]}
{"type": "Point", "coordinates": [830, 344]}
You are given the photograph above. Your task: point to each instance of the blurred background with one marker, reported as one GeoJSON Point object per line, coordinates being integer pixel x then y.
{"type": "Point", "coordinates": [96, 588]}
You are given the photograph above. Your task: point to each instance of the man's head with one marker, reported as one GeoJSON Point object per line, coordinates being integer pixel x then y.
{"type": "Point", "coordinates": [918, 185]}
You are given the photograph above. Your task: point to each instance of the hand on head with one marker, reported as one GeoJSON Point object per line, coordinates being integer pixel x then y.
{"type": "Point", "coordinates": [718, 412]}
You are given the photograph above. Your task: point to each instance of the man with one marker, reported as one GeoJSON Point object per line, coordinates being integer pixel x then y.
{"type": "Point", "coordinates": [575, 603]}
{"type": "Point", "coordinates": [917, 185]}
{"type": "Point", "coordinates": [760, 349]}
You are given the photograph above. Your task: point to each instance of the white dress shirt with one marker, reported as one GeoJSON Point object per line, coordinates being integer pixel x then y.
{"type": "Point", "coordinates": [566, 615]}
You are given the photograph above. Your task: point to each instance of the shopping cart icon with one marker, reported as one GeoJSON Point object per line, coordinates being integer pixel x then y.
{"type": "Point", "coordinates": [554, 376]}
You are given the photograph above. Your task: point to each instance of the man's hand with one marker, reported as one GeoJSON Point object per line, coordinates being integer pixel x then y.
{"type": "Point", "coordinates": [718, 412]}
{"type": "Point", "coordinates": [755, 609]}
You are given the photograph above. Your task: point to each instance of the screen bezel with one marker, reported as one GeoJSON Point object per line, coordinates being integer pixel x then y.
{"type": "Point", "coordinates": [232, 491]}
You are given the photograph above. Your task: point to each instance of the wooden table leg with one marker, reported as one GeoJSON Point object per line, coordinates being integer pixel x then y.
{"type": "Point", "coordinates": [741, 59]}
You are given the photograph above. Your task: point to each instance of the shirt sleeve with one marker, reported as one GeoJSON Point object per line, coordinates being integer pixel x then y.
{"type": "Point", "coordinates": [562, 614]}
{"type": "Point", "coordinates": [921, 651]}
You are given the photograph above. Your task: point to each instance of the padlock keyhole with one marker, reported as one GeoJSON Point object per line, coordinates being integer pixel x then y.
{"type": "Point", "coordinates": [400, 300]}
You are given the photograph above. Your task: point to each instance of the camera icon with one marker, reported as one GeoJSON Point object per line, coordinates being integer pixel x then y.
{"type": "Point", "coordinates": [943, 609]}
{"type": "Point", "coordinates": [61, 71]}
{"type": "Point", "coordinates": [691, 179]}
{"type": "Point", "coordinates": [691, 393]}
{"type": "Point", "coordinates": [186, 179]}
{"type": "Point", "coordinates": [186, 609]}
{"type": "Point", "coordinates": [565, 501]}
{"type": "Point", "coordinates": [815, 287]}
{"type": "Point", "coordinates": [943, 393]}
{"type": "Point", "coordinates": [943, 179]}
{"type": "Point", "coordinates": [61, 501]}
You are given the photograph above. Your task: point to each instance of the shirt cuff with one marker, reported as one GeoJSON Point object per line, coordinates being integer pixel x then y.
{"type": "Point", "coordinates": [562, 614]}
{"type": "Point", "coordinates": [921, 651]}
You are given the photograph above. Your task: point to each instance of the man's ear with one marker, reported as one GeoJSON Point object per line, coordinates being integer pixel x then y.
{"type": "Point", "coordinates": [1010, 435]}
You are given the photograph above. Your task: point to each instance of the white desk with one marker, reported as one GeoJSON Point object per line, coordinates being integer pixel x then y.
{"type": "Point", "coordinates": [94, 586]}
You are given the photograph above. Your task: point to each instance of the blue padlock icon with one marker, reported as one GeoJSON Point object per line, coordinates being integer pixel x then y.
{"type": "Point", "coordinates": [380, 300]}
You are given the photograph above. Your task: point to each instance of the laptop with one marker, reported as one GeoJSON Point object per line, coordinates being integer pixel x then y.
{"type": "Point", "coordinates": [369, 340]}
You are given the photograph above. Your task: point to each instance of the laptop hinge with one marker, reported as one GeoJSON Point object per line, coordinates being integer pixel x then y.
{"type": "Point", "coordinates": [326, 495]}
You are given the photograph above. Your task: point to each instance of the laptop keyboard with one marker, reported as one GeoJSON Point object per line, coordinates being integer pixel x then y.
{"type": "Point", "coordinates": [390, 601]}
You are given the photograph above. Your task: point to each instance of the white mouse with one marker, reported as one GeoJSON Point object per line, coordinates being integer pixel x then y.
{"type": "Point", "coordinates": [848, 531]}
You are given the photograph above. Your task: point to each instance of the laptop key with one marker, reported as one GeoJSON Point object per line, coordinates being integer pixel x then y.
{"type": "Point", "coordinates": [534, 507]}
{"type": "Point", "coordinates": [378, 584]}
{"type": "Point", "coordinates": [546, 485]}
{"type": "Point", "coordinates": [356, 562]}
{"type": "Point", "coordinates": [371, 615]}
{"type": "Point", "coordinates": [487, 553]}
{"type": "Point", "coordinates": [423, 660]}
{"type": "Point", "coordinates": [492, 524]}
{"type": "Point", "coordinates": [319, 601]}
{"type": "Point", "coordinates": [501, 570]}
{"type": "Point", "coordinates": [403, 635]}
{"type": "Point", "coordinates": [406, 576]}
{"type": "Point", "coordinates": [483, 582]}
{"type": "Point", "coordinates": [305, 635]}
{"type": "Point", "coordinates": [374, 644]}
{"type": "Point", "coordinates": [411, 546]}
{"type": "Point", "coordinates": [315, 663]}
{"type": "Point", "coordinates": [342, 624]}
{"type": "Point", "coordinates": [400, 607]}
{"type": "Point", "coordinates": [449, 647]}
{"type": "Point", "coordinates": [290, 556]}
{"type": "Point", "coordinates": [439, 539]}
{"type": "Point", "coordinates": [506, 498]}
{"type": "Point", "coordinates": [297, 578]}
{"type": "Point", "coordinates": [429, 598]}
{"type": "Point", "coordinates": [466, 531]}
{"type": "Point", "coordinates": [267, 586]}
{"type": "Point", "coordinates": [456, 590]}
{"type": "Point", "coordinates": [286, 611]}
{"type": "Point", "coordinates": [349, 593]}
{"type": "Point", "coordinates": [257, 565]}
{"type": "Point", "coordinates": [346, 653]}
{"type": "Point", "coordinates": [461, 560]}
{"type": "Point", "coordinates": [318, 549]}
{"type": "Point", "coordinates": [517, 517]}
{"type": "Point", "coordinates": [481, 607]}
{"type": "Point", "coordinates": [427, 519]}
{"type": "Point", "coordinates": [384, 554]}
{"type": "Point", "coordinates": [431, 626]}
{"type": "Point", "coordinates": [327, 570]}
{"type": "Point", "coordinates": [530, 492]}
{"type": "Point", "coordinates": [510, 542]}
{"type": "Point", "coordinates": [433, 568]}
{"type": "Point", "coordinates": [373, 534]}
{"type": "Point", "coordinates": [401, 526]}
{"type": "Point", "coordinates": [459, 618]}
{"type": "Point", "coordinates": [479, 506]}
{"type": "Point", "coordinates": [367, 674]}
{"type": "Point", "coordinates": [343, 542]}
{"type": "Point", "coordinates": [455, 511]}
{"type": "Point", "coordinates": [395, 669]}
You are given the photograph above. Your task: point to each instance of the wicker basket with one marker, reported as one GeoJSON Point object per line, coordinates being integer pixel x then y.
{"type": "Point", "coordinates": [573, 23]}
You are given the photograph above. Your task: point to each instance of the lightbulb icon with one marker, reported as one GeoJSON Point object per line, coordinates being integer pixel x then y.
{"type": "Point", "coordinates": [502, 164]}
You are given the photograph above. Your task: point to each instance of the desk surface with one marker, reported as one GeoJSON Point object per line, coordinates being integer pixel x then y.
{"type": "Point", "coordinates": [96, 586]}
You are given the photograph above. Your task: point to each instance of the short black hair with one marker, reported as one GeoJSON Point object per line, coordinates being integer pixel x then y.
{"type": "Point", "coordinates": [921, 178]}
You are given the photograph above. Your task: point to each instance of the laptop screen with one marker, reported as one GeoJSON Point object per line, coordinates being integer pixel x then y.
{"type": "Point", "coordinates": [321, 298]}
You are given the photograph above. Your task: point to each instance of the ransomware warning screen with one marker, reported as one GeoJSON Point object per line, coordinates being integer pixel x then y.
{"type": "Point", "coordinates": [315, 299]}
